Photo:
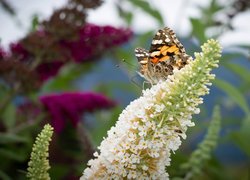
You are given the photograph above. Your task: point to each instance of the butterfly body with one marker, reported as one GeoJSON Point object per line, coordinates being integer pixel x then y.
{"type": "Point", "coordinates": [166, 54]}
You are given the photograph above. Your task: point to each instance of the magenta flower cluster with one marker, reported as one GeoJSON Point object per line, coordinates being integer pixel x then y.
{"type": "Point", "coordinates": [91, 42]}
{"type": "Point", "coordinates": [19, 52]}
{"type": "Point", "coordinates": [94, 40]}
{"type": "Point", "coordinates": [71, 106]}
{"type": "Point", "coordinates": [2, 53]}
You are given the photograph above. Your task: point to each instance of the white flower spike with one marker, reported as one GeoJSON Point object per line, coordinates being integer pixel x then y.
{"type": "Point", "coordinates": [151, 127]}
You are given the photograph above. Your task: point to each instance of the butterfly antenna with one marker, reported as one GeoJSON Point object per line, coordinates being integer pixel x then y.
{"type": "Point", "coordinates": [129, 64]}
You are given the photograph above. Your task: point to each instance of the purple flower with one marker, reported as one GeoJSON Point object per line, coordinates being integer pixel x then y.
{"type": "Point", "coordinates": [48, 70]}
{"type": "Point", "coordinates": [45, 70]}
{"type": "Point", "coordinates": [94, 40]}
{"type": "Point", "coordinates": [2, 53]}
{"type": "Point", "coordinates": [70, 106]}
{"type": "Point", "coordinates": [19, 52]}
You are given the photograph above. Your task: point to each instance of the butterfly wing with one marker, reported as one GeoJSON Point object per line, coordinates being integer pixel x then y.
{"type": "Point", "coordinates": [143, 58]}
{"type": "Point", "coordinates": [142, 55]}
{"type": "Point", "coordinates": [166, 38]}
{"type": "Point", "coordinates": [167, 51]}
{"type": "Point", "coordinates": [166, 54]}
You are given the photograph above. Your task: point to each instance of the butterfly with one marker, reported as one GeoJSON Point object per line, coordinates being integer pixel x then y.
{"type": "Point", "coordinates": [165, 54]}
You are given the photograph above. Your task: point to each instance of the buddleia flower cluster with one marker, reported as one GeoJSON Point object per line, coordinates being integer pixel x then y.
{"type": "Point", "coordinates": [152, 127]}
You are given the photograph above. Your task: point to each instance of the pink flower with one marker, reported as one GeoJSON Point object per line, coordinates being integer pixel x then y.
{"type": "Point", "coordinates": [94, 40]}
{"type": "Point", "coordinates": [19, 52]}
{"type": "Point", "coordinates": [2, 53]}
{"type": "Point", "coordinates": [47, 70]}
{"type": "Point", "coordinates": [70, 106]}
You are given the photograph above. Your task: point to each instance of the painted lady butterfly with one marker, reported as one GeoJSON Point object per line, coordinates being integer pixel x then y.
{"type": "Point", "coordinates": [166, 53]}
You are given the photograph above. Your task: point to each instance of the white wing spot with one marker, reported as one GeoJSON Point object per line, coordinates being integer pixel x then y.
{"type": "Point", "coordinates": [167, 40]}
{"type": "Point", "coordinates": [155, 53]}
{"type": "Point", "coordinates": [140, 55]}
{"type": "Point", "coordinates": [157, 41]}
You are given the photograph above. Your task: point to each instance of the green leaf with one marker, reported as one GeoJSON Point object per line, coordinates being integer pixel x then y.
{"type": "Point", "coordinates": [4, 176]}
{"type": "Point", "coordinates": [239, 70]}
{"type": "Point", "coordinates": [9, 116]}
{"type": "Point", "coordinates": [242, 141]}
{"type": "Point", "coordinates": [246, 125]}
{"type": "Point", "coordinates": [108, 88]}
{"type": "Point", "coordinates": [234, 94]}
{"type": "Point", "coordinates": [229, 56]}
{"type": "Point", "coordinates": [146, 7]}
{"type": "Point", "coordinates": [145, 39]}
{"type": "Point", "coordinates": [68, 73]}
{"type": "Point", "coordinates": [105, 120]}
{"type": "Point", "coordinates": [35, 22]}
{"type": "Point", "coordinates": [126, 15]}
{"type": "Point", "coordinates": [241, 137]}
{"type": "Point", "coordinates": [209, 11]}
{"type": "Point", "coordinates": [59, 171]}
{"type": "Point", "coordinates": [198, 29]}
{"type": "Point", "coordinates": [11, 154]}
{"type": "Point", "coordinates": [11, 138]}
{"type": "Point", "coordinates": [215, 6]}
{"type": "Point", "coordinates": [8, 7]}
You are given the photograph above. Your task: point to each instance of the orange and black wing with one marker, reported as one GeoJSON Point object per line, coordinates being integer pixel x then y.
{"type": "Point", "coordinates": [164, 46]}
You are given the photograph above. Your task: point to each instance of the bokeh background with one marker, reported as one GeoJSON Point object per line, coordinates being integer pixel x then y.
{"type": "Point", "coordinates": [71, 63]}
